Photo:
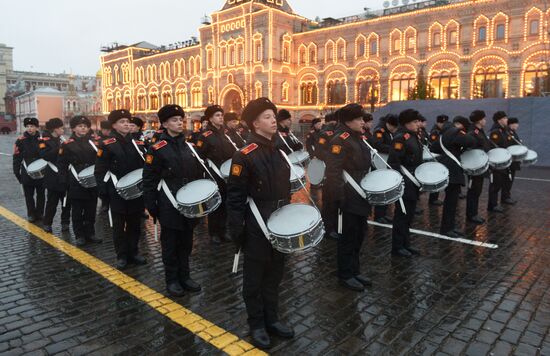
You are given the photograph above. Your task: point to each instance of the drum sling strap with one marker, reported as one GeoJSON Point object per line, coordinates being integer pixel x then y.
{"type": "Point", "coordinates": [284, 141]}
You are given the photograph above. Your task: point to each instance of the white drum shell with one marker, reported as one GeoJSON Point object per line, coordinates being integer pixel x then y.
{"type": "Point", "coordinates": [530, 158]}
{"type": "Point", "coordinates": [316, 172]}
{"type": "Point", "coordinates": [433, 177]}
{"type": "Point", "coordinates": [36, 169]}
{"type": "Point", "coordinates": [86, 177]}
{"type": "Point", "coordinates": [299, 157]}
{"type": "Point", "coordinates": [198, 198]}
{"type": "Point", "coordinates": [518, 152]}
{"type": "Point", "coordinates": [499, 158]}
{"type": "Point", "coordinates": [297, 178]}
{"type": "Point", "coordinates": [474, 162]}
{"type": "Point", "coordinates": [383, 186]}
{"type": "Point", "coordinates": [130, 186]}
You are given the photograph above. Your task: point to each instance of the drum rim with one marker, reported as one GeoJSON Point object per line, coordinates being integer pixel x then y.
{"type": "Point", "coordinates": [217, 191]}
{"type": "Point", "coordinates": [380, 171]}
{"type": "Point", "coordinates": [126, 175]}
{"type": "Point", "coordinates": [42, 161]}
{"type": "Point", "coordinates": [431, 164]}
{"type": "Point", "coordinates": [292, 204]}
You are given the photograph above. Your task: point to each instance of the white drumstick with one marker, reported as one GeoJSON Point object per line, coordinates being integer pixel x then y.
{"type": "Point", "coordinates": [402, 206]}
{"type": "Point", "coordinates": [110, 217]}
{"type": "Point", "coordinates": [340, 221]}
{"type": "Point", "coordinates": [156, 232]}
{"type": "Point", "coordinates": [236, 261]}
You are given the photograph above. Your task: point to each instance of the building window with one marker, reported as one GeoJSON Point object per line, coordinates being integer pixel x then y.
{"type": "Point", "coordinates": [240, 53]}
{"type": "Point", "coordinates": [231, 55]}
{"type": "Point", "coordinates": [482, 34]}
{"type": "Point", "coordinates": [373, 51]}
{"type": "Point", "coordinates": [153, 102]}
{"type": "Point", "coordinates": [536, 80]}
{"type": "Point", "coordinates": [341, 50]}
{"type": "Point", "coordinates": [489, 83]}
{"type": "Point", "coordinates": [436, 41]}
{"type": "Point", "coordinates": [141, 102]}
{"type": "Point", "coordinates": [308, 93]}
{"type": "Point", "coordinates": [258, 89]}
{"type": "Point", "coordinates": [411, 43]}
{"type": "Point", "coordinates": [368, 90]}
{"type": "Point", "coordinates": [453, 37]}
{"type": "Point", "coordinates": [181, 97]}
{"type": "Point", "coordinates": [401, 86]}
{"type": "Point", "coordinates": [533, 27]}
{"type": "Point", "coordinates": [313, 55]}
{"type": "Point", "coordinates": [336, 92]}
{"type": "Point", "coordinates": [500, 32]}
{"type": "Point", "coordinates": [211, 95]}
{"type": "Point", "coordinates": [196, 100]}
{"type": "Point", "coordinates": [209, 59]}
{"type": "Point", "coordinates": [258, 50]}
{"type": "Point", "coordinates": [361, 50]}
{"type": "Point", "coordinates": [444, 85]}
{"type": "Point", "coordinates": [284, 93]}
{"type": "Point", "coordinates": [396, 45]}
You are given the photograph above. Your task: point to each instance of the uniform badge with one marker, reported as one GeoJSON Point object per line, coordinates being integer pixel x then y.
{"type": "Point", "coordinates": [494, 136]}
{"type": "Point", "coordinates": [199, 143]}
{"type": "Point", "coordinates": [236, 170]}
{"type": "Point", "coordinates": [109, 141]}
{"type": "Point", "coordinates": [406, 136]}
{"type": "Point", "coordinates": [207, 133]}
{"type": "Point", "coordinates": [336, 149]}
{"type": "Point", "coordinates": [100, 152]}
{"type": "Point", "coordinates": [322, 141]}
{"type": "Point", "coordinates": [159, 145]}
{"type": "Point", "coordinates": [434, 137]}
{"type": "Point", "coordinates": [379, 135]}
{"type": "Point", "coordinates": [42, 145]}
{"type": "Point", "coordinates": [149, 159]}
{"type": "Point", "coordinates": [398, 146]}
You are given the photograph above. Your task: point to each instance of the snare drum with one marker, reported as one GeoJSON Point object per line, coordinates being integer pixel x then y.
{"type": "Point", "coordinates": [130, 186]}
{"type": "Point", "coordinates": [299, 157]}
{"type": "Point", "coordinates": [475, 162]}
{"type": "Point", "coordinates": [383, 186]}
{"type": "Point", "coordinates": [499, 158]}
{"type": "Point", "coordinates": [86, 177]}
{"type": "Point", "coordinates": [297, 178]}
{"type": "Point", "coordinates": [518, 152]}
{"type": "Point", "coordinates": [432, 176]}
{"type": "Point", "coordinates": [225, 168]}
{"type": "Point", "coordinates": [428, 156]}
{"type": "Point", "coordinates": [378, 163]}
{"type": "Point", "coordinates": [531, 158]}
{"type": "Point", "coordinates": [316, 172]}
{"type": "Point", "coordinates": [295, 227]}
{"type": "Point", "coordinates": [36, 169]}
{"type": "Point", "coordinates": [198, 198]}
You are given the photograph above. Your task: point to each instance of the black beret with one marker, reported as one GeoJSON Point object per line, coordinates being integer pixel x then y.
{"type": "Point", "coordinates": [422, 118]}
{"type": "Point", "coordinates": [230, 116]}
{"type": "Point", "coordinates": [350, 112]}
{"type": "Point", "coordinates": [137, 121]}
{"type": "Point", "coordinates": [105, 125]}
{"type": "Point", "coordinates": [168, 111]}
{"type": "Point", "coordinates": [211, 110]}
{"type": "Point", "coordinates": [391, 119]}
{"type": "Point", "coordinates": [330, 117]}
{"type": "Point", "coordinates": [498, 115]}
{"type": "Point", "coordinates": [462, 120]}
{"type": "Point", "coordinates": [31, 121]}
{"type": "Point", "coordinates": [283, 114]}
{"type": "Point", "coordinates": [254, 108]}
{"type": "Point", "coordinates": [408, 115]}
{"type": "Point", "coordinates": [367, 117]}
{"type": "Point", "coordinates": [116, 115]}
{"type": "Point", "coordinates": [77, 120]}
{"type": "Point", "coordinates": [54, 123]}
{"type": "Point", "coordinates": [513, 120]}
{"type": "Point", "coordinates": [477, 115]}
{"type": "Point", "coordinates": [442, 118]}
{"type": "Point", "coordinates": [315, 121]}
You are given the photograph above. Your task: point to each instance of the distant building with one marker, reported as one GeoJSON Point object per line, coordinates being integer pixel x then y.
{"type": "Point", "coordinates": [251, 48]}
{"type": "Point", "coordinates": [42, 103]}
{"type": "Point", "coordinates": [6, 67]}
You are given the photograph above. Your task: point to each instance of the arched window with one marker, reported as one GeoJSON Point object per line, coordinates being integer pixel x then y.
{"type": "Point", "coordinates": [500, 27]}
{"type": "Point", "coordinates": [286, 48]}
{"type": "Point", "coordinates": [209, 57]}
{"type": "Point", "coordinates": [117, 75]}
{"type": "Point", "coordinates": [444, 83]}
{"type": "Point", "coordinates": [373, 41]}
{"type": "Point", "coordinates": [490, 79]}
{"type": "Point", "coordinates": [210, 95]}
{"type": "Point", "coordinates": [312, 50]}
{"type": "Point", "coordinates": [127, 101]}
{"type": "Point", "coordinates": [434, 36]}
{"type": "Point", "coordinates": [480, 31]}
{"type": "Point", "coordinates": [360, 46]}
{"type": "Point", "coordinates": [141, 100]}
{"type": "Point", "coordinates": [118, 101]}
{"type": "Point", "coordinates": [534, 18]}
{"type": "Point", "coordinates": [336, 93]}
{"type": "Point", "coordinates": [258, 89]}
{"type": "Point", "coordinates": [395, 42]}
{"type": "Point", "coordinates": [452, 31]}
{"type": "Point", "coordinates": [368, 87]}
{"type": "Point", "coordinates": [410, 40]}
{"type": "Point", "coordinates": [153, 100]}
{"type": "Point", "coordinates": [196, 96]}
{"type": "Point", "coordinates": [341, 49]}
{"type": "Point", "coordinates": [536, 79]}
{"type": "Point", "coordinates": [309, 92]}
{"type": "Point", "coordinates": [402, 82]}
{"type": "Point", "coordinates": [258, 47]}
{"type": "Point", "coordinates": [181, 96]}
{"type": "Point", "coordinates": [110, 103]}
{"type": "Point", "coordinates": [329, 51]}
{"type": "Point", "coordinates": [240, 51]}
{"type": "Point", "coordinates": [166, 96]}
{"type": "Point", "coordinates": [302, 55]}
{"type": "Point", "coordinates": [284, 92]}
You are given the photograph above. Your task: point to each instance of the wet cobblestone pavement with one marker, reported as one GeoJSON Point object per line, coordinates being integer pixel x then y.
{"type": "Point", "coordinates": [453, 299]}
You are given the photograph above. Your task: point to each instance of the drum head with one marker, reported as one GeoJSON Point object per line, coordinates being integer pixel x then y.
{"type": "Point", "coordinates": [37, 165]}
{"type": "Point", "coordinates": [431, 173]}
{"type": "Point", "coordinates": [86, 172]}
{"type": "Point", "coordinates": [131, 178]}
{"type": "Point", "coordinates": [293, 219]}
{"type": "Point", "coordinates": [517, 150]}
{"type": "Point", "coordinates": [531, 156]}
{"type": "Point", "coordinates": [297, 157]}
{"type": "Point", "coordinates": [473, 159]}
{"type": "Point", "coordinates": [378, 163]}
{"type": "Point", "coordinates": [297, 172]}
{"type": "Point", "coordinates": [499, 155]}
{"type": "Point", "coordinates": [225, 168]}
{"type": "Point", "coordinates": [196, 191]}
{"type": "Point", "coordinates": [381, 180]}
{"type": "Point", "coordinates": [316, 171]}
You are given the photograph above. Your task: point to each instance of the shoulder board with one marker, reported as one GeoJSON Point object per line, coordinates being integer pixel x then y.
{"type": "Point", "coordinates": [284, 134]}
{"type": "Point", "coordinates": [46, 138]}
{"type": "Point", "coordinates": [21, 138]}
{"type": "Point", "coordinates": [311, 131]}
{"type": "Point", "coordinates": [329, 133]}
{"type": "Point", "coordinates": [406, 136]}
{"type": "Point", "coordinates": [207, 133]}
{"type": "Point", "coordinates": [141, 143]}
{"type": "Point", "coordinates": [159, 131]}
{"type": "Point", "coordinates": [68, 141]}
{"type": "Point", "coordinates": [246, 150]}
{"type": "Point", "coordinates": [344, 135]}
{"type": "Point", "coordinates": [462, 132]}
{"type": "Point", "coordinates": [96, 137]}
{"type": "Point", "coordinates": [109, 141]}
{"type": "Point", "coordinates": [159, 145]}
{"type": "Point", "coordinates": [363, 137]}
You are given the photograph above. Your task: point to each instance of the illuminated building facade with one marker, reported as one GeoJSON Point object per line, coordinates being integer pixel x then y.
{"type": "Point", "coordinates": [252, 48]}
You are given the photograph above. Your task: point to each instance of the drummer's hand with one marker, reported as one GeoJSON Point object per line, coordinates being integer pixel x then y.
{"type": "Point", "coordinates": [153, 212]}
{"type": "Point", "coordinates": [238, 236]}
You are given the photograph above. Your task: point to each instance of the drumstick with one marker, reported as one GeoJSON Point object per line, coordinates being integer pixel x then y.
{"type": "Point", "coordinates": [236, 261]}
{"type": "Point", "coordinates": [110, 217]}
{"type": "Point", "coordinates": [340, 221]}
{"type": "Point", "coordinates": [402, 204]}
{"type": "Point", "coordinates": [156, 231]}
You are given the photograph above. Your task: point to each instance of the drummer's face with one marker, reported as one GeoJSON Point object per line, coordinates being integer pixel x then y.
{"type": "Point", "coordinates": [122, 126]}
{"type": "Point", "coordinates": [174, 124]}
{"type": "Point", "coordinates": [81, 130]}
{"type": "Point", "coordinates": [266, 123]}
{"type": "Point", "coordinates": [356, 124]}
{"type": "Point", "coordinates": [31, 129]}
{"type": "Point", "coordinates": [413, 125]}
{"type": "Point", "coordinates": [217, 119]}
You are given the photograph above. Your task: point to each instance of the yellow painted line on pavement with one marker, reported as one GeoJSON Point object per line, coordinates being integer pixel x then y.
{"type": "Point", "coordinates": [209, 332]}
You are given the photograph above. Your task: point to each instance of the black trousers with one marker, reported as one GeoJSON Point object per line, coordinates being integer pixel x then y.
{"type": "Point", "coordinates": [176, 247]}
{"type": "Point", "coordinates": [217, 221]}
{"type": "Point", "coordinates": [507, 187]}
{"type": "Point", "coordinates": [126, 231]}
{"type": "Point", "coordinates": [449, 207]}
{"type": "Point", "coordinates": [402, 223]}
{"type": "Point", "coordinates": [261, 280]}
{"type": "Point", "coordinates": [472, 197]}
{"type": "Point", "coordinates": [433, 197]}
{"type": "Point", "coordinates": [380, 211]}
{"type": "Point", "coordinates": [83, 216]}
{"type": "Point", "coordinates": [499, 179]}
{"type": "Point", "coordinates": [56, 197]}
{"type": "Point", "coordinates": [329, 212]}
{"type": "Point", "coordinates": [349, 245]}
{"type": "Point", "coordinates": [34, 208]}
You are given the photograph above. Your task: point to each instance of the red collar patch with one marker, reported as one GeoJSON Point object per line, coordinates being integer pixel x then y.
{"type": "Point", "coordinates": [246, 150]}
{"type": "Point", "coordinates": [344, 135]}
{"type": "Point", "coordinates": [159, 145]}
{"type": "Point", "coordinates": [109, 141]}
{"type": "Point", "coordinates": [207, 133]}
{"type": "Point", "coordinates": [406, 136]}
{"type": "Point", "coordinates": [329, 133]}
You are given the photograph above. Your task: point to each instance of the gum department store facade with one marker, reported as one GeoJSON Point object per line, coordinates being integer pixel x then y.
{"type": "Point", "coordinates": [253, 48]}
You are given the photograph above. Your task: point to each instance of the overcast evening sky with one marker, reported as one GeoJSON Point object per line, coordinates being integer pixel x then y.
{"type": "Point", "coordinates": [65, 35]}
